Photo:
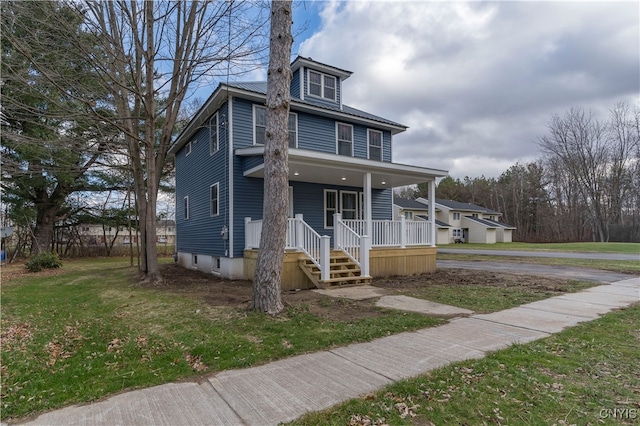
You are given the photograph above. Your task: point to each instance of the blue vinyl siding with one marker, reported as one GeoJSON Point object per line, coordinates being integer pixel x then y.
{"type": "Point", "coordinates": [195, 174]}
{"type": "Point", "coordinates": [242, 123]}
{"type": "Point", "coordinates": [295, 84]}
{"type": "Point", "coordinates": [386, 147]}
{"type": "Point", "coordinates": [316, 133]}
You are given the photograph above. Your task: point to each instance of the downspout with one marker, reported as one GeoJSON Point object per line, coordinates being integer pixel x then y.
{"type": "Point", "coordinates": [230, 176]}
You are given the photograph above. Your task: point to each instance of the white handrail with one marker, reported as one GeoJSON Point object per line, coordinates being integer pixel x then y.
{"type": "Point", "coordinates": [300, 236]}
{"type": "Point", "coordinates": [347, 240]}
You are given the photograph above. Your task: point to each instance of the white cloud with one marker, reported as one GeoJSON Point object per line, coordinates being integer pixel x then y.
{"type": "Point", "coordinates": [478, 82]}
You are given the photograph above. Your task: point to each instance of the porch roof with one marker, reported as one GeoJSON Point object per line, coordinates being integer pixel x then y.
{"type": "Point", "coordinates": [333, 169]}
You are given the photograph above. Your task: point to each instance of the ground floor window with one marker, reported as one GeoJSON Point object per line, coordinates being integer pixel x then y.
{"type": "Point", "coordinates": [457, 233]}
{"type": "Point", "coordinates": [349, 203]}
{"type": "Point", "coordinates": [330, 206]}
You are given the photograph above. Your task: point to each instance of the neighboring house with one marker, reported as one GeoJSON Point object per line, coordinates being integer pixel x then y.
{"type": "Point", "coordinates": [95, 234]}
{"type": "Point", "coordinates": [470, 223]}
{"type": "Point", "coordinates": [414, 210]}
{"type": "Point", "coordinates": [341, 177]}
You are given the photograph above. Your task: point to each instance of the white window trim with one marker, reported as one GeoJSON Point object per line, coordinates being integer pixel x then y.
{"type": "Point", "coordinates": [324, 201]}
{"type": "Point", "coordinates": [338, 123]}
{"type": "Point", "coordinates": [322, 76]}
{"type": "Point", "coordinates": [188, 149]}
{"type": "Point", "coordinates": [253, 129]}
{"type": "Point", "coordinates": [185, 207]}
{"type": "Point", "coordinates": [217, 212]}
{"type": "Point", "coordinates": [369, 131]}
{"type": "Point", "coordinates": [456, 214]}
{"type": "Point", "coordinates": [217, 141]}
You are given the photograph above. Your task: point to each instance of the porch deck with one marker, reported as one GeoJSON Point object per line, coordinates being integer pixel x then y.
{"type": "Point", "coordinates": [384, 262]}
{"type": "Point", "coordinates": [395, 248]}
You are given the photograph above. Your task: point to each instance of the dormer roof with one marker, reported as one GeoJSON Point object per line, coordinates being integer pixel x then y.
{"type": "Point", "coordinates": [301, 61]}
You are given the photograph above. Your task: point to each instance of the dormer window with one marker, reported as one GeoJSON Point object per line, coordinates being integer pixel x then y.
{"type": "Point", "coordinates": [322, 85]}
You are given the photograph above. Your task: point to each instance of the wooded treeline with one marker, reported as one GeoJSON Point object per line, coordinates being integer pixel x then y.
{"type": "Point", "coordinates": [585, 186]}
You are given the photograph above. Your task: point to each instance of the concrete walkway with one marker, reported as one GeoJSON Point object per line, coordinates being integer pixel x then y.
{"type": "Point", "coordinates": [285, 390]}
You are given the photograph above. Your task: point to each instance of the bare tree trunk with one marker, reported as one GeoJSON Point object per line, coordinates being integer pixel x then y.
{"type": "Point", "coordinates": [266, 284]}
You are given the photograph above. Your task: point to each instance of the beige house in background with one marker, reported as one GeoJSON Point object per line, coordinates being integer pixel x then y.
{"type": "Point", "coordinates": [414, 210]}
{"type": "Point", "coordinates": [458, 222]}
{"type": "Point", "coordinates": [95, 234]}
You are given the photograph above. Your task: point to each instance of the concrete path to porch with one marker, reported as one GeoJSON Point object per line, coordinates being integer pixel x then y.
{"type": "Point", "coordinates": [399, 302]}
{"type": "Point", "coordinates": [284, 390]}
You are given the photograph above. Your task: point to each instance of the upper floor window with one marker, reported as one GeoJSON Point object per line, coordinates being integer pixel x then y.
{"type": "Point", "coordinates": [375, 144]}
{"type": "Point", "coordinates": [322, 85]}
{"type": "Point", "coordinates": [475, 215]}
{"type": "Point", "coordinates": [345, 139]}
{"type": "Point", "coordinates": [187, 149]}
{"type": "Point", "coordinates": [186, 207]}
{"type": "Point", "coordinates": [456, 216]}
{"type": "Point", "coordinates": [260, 126]}
{"type": "Point", "coordinates": [214, 141]}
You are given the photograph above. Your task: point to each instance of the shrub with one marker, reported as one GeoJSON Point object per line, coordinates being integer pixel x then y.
{"type": "Point", "coordinates": [44, 260]}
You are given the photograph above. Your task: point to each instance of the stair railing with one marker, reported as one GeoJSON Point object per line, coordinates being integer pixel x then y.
{"type": "Point", "coordinates": [354, 245]}
{"type": "Point", "coordinates": [315, 246]}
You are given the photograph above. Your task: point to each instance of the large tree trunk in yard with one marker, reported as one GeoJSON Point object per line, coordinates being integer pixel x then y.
{"type": "Point", "coordinates": [266, 284]}
{"type": "Point", "coordinates": [43, 232]}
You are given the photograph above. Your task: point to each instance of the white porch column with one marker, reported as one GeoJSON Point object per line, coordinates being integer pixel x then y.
{"type": "Point", "coordinates": [325, 257]}
{"type": "Point", "coordinates": [337, 217]}
{"type": "Point", "coordinates": [432, 211]}
{"type": "Point", "coordinates": [367, 204]}
{"type": "Point", "coordinates": [247, 238]}
{"type": "Point", "coordinates": [299, 230]}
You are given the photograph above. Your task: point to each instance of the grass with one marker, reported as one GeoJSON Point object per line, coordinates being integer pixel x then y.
{"type": "Point", "coordinates": [585, 375]}
{"type": "Point", "coordinates": [486, 299]}
{"type": "Point", "coordinates": [623, 248]}
{"type": "Point", "coordinates": [85, 332]}
{"type": "Point", "coordinates": [622, 266]}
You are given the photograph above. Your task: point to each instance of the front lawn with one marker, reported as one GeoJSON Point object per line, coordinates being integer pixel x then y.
{"type": "Point", "coordinates": [88, 330]}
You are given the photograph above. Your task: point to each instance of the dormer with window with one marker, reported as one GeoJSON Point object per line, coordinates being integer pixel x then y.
{"type": "Point", "coordinates": [316, 82]}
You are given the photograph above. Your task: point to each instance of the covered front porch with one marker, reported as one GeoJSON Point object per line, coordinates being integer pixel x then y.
{"type": "Point", "coordinates": [346, 236]}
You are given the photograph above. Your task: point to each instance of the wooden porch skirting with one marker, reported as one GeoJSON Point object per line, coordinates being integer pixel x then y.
{"type": "Point", "coordinates": [383, 262]}
{"type": "Point", "coordinates": [391, 261]}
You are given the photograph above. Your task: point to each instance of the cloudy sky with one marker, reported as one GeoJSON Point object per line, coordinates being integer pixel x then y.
{"type": "Point", "coordinates": [475, 82]}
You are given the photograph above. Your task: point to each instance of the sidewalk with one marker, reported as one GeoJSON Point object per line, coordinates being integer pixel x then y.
{"type": "Point", "coordinates": [285, 390]}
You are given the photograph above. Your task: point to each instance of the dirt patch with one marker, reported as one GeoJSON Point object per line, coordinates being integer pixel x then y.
{"type": "Point", "coordinates": [237, 293]}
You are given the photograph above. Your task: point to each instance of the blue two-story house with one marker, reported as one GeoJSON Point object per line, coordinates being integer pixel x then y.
{"type": "Point", "coordinates": [341, 180]}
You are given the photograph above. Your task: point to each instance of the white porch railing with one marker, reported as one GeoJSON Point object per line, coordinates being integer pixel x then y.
{"type": "Point", "coordinates": [300, 236]}
{"type": "Point", "coordinates": [349, 236]}
{"type": "Point", "coordinates": [352, 243]}
{"type": "Point", "coordinates": [394, 233]}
